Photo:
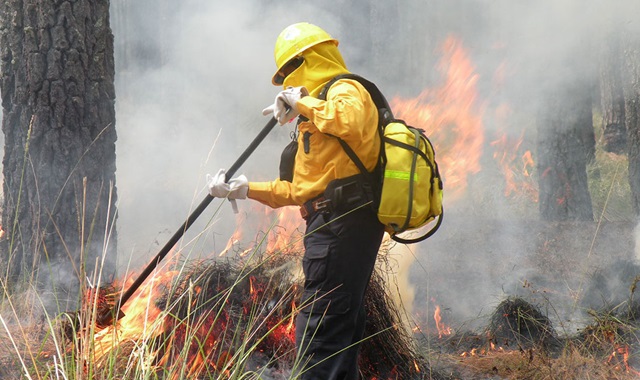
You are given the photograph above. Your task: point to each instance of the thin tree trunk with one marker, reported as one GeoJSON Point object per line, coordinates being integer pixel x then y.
{"type": "Point", "coordinates": [563, 123]}
{"type": "Point", "coordinates": [614, 132]}
{"type": "Point", "coordinates": [631, 80]}
{"type": "Point", "coordinates": [59, 126]}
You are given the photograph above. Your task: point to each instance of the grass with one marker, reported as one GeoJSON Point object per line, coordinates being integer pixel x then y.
{"type": "Point", "coordinates": [39, 351]}
{"type": "Point", "coordinates": [189, 323]}
{"type": "Point", "coordinates": [607, 348]}
{"type": "Point", "coordinates": [609, 183]}
{"type": "Point", "coordinates": [44, 352]}
{"type": "Point", "coordinates": [536, 365]}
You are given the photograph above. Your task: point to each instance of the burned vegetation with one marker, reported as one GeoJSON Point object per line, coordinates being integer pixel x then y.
{"type": "Point", "coordinates": [227, 317]}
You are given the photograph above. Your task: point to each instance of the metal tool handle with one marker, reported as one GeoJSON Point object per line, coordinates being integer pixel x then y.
{"type": "Point", "coordinates": [107, 317]}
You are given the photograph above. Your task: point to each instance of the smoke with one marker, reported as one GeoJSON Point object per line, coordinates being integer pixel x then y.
{"type": "Point", "coordinates": [191, 83]}
{"type": "Point", "coordinates": [193, 77]}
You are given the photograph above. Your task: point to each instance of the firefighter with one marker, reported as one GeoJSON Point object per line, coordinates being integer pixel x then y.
{"type": "Point", "coordinates": [343, 234]}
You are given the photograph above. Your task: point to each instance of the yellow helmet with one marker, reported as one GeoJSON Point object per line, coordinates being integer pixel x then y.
{"type": "Point", "coordinates": [295, 39]}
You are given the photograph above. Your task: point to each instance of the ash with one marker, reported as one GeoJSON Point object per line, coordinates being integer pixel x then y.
{"type": "Point", "coordinates": [266, 369]}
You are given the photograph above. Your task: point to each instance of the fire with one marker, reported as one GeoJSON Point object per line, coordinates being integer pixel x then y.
{"type": "Point", "coordinates": [451, 117]}
{"type": "Point", "coordinates": [286, 235]}
{"type": "Point", "coordinates": [442, 328]}
{"type": "Point", "coordinates": [516, 165]}
{"type": "Point", "coordinates": [201, 340]}
{"type": "Point", "coordinates": [142, 319]}
{"type": "Point", "coordinates": [290, 329]}
{"type": "Point", "coordinates": [233, 240]}
{"type": "Point", "coordinates": [279, 230]}
{"type": "Point", "coordinates": [619, 358]}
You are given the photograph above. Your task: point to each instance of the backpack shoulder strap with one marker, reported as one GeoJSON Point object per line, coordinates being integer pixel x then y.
{"type": "Point", "coordinates": [384, 112]}
{"type": "Point", "coordinates": [381, 102]}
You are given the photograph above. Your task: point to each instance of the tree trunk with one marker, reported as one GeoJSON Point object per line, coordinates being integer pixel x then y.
{"type": "Point", "coordinates": [614, 132]}
{"type": "Point", "coordinates": [58, 97]}
{"type": "Point", "coordinates": [631, 75]}
{"type": "Point", "coordinates": [564, 123]}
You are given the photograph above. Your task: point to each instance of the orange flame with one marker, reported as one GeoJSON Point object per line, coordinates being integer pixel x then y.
{"type": "Point", "coordinates": [281, 226]}
{"type": "Point", "coordinates": [141, 315]}
{"type": "Point", "coordinates": [144, 321]}
{"type": "Point", "coordinates": [442, 328]}
{"type": "Point", "coordinates": [233, 240]}
{"type": "Point", "coordinates": [517, 167]}
{"type": "Point", "coordinates": [451, 117]}
{"type": "Point", "coordinates": [619, 358]}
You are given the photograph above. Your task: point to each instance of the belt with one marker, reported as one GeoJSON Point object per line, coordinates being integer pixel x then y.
{"type": "Point", "coordinates": [319, 204]}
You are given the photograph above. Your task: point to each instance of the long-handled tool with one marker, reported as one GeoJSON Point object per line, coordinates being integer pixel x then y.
{"type": "Point", "coordinates": [106, 317]}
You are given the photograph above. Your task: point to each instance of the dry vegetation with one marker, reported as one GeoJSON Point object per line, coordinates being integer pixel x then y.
{"type": "Point", "coordinates": [519, 341]}
{"type": "Point", "coordinates": [519, 345]}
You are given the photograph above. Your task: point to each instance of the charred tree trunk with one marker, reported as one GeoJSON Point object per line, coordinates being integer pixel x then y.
{"type": "Point", "coordinates": [614, 131]}
{"type": "Point", "coordinates": [565, 131]}
{"type": "Point", "coordinates": [631, 75]}
{"type": "Point", "coordinates": [58, 95]}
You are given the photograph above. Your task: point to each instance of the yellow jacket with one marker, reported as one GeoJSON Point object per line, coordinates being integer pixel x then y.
{"type": "Point", "coordinates": [349, 113]}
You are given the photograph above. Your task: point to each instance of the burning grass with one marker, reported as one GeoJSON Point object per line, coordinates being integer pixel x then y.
{"type": "Point", "coordinates": [226, 319]}
{"type": "Point", "coordinates": [520, 342]}
{"type": "Point", "coordinates": [216, 319]}
{"type": "Point", "coordinates": [233, 318]}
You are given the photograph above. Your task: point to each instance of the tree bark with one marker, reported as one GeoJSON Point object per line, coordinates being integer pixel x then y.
{"type": "Point", "coordinates": [564, 124]}
{"type": "Point", "coordinates": [631, 88]}
{"type": "Point", "coordinates": [614, 132]}
{"type": "Point", "coordinates": [58, 98]}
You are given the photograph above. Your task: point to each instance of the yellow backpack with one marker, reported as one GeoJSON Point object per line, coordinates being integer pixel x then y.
{"type": "Point", "coordinates": [407, 183]}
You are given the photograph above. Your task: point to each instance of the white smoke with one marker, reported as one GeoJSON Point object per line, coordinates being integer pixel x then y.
{"type": "Point", "coordinates": [192, 80]}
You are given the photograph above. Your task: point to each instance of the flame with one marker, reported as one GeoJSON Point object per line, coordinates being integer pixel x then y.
{"type": "Point", "coordinates": [283, 236]}
{"type": "Point", "coordinates": [619, 358]}
{"type": "Point", "coordinates": [451, 117]}
{"type": "Point", "coordinates": [204, 335]}
{"type": "Point", "coordinates": [442, 328]}
{"type": "Point", "coordinates": [515, 165]}
{"type": "Point", "coordinates": [281, 226]}
{"type": "Point", "coordinates": [233, 240]}
{"type": "Point", "coordinates": [290, 329]}
{"type": "Point", "coordinates": [141, 315]}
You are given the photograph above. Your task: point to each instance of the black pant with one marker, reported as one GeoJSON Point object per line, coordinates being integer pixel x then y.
{"type": "Point", "coordinates": [340, 253]}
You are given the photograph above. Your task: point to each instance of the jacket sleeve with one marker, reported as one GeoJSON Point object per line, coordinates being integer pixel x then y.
{"type": "Point", "coordinates": [343, 114]}
{"type": "Point", "coordinates": [348, 113]}
{"type": "Point", "coordinates": [274, 194]}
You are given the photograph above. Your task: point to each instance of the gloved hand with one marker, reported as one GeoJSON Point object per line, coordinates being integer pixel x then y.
{"type": "Point", "coordinates": [236, 188]}
{"type": "Point", "coordinates": [285, 107]}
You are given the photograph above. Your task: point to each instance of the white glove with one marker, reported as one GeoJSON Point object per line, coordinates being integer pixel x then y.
{"type": "Point", "coordinates": [285, 107]}
{"type": "Point", "coordinates": [236, 188]}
